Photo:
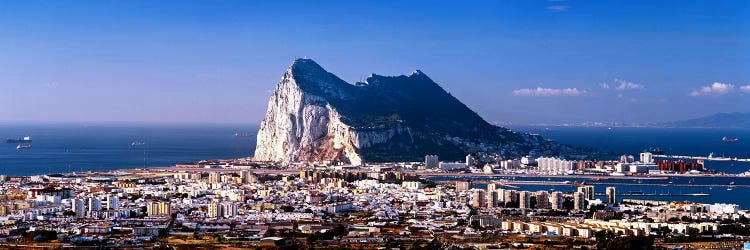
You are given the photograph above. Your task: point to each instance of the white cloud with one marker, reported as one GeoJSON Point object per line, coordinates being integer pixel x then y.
{"type": "Point", "coordinates": [539, 91]}
{"type": "Point", "coordinates": [623, 85]}
{"type": "Point", "coordinates": [604, 85]}
{"type": "Point", "coordinates": [624, 98]}
{"type": "Point", "coordinates": [714, 89]}
{"type": "Point", "coordinates": [558, 8]}
{"type": "Point", "coordinates": [745, 88]}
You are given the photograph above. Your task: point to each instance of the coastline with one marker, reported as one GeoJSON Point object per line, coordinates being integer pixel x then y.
{"type": "Point", "coordinates": [422, 173]}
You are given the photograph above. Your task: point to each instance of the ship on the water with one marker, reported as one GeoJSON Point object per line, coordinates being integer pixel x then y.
{"type": "Point", "coordinates": [22, 147]}
{"type": "Point", "coordinates": [137, 143]}
{"type": "Point", "coordinates": [656, 151]}
{"type": "Point", "coordinates": [25, 139]}
{"type": "Point", "coordinates": [241, 135]}
{"type": "Point", "coordinates": [725, 139]}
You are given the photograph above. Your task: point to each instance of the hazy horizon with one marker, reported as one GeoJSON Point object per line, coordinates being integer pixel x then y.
{"type": "Point", "coordinates": [519, 62]}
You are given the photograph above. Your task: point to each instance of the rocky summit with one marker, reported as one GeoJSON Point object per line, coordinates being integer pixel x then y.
{"type": "Point", "coordinates": [315, 116]}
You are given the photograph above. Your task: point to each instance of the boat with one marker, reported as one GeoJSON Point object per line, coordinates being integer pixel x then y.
{"type": "Point", "coordinates": [725, 139]}
{"type": "Point", "coordinates": [22, 147]}
{"type": "Point", "coordinates": [241, 135]}
{"type": "Point", "coordinates": [137, 143]}
{"type": "Point", "coordinates": [25, 139]}
{"type": "Point", "coordinates": [729, 189]}
{"type": "Point", "coordinates": [656, 151]}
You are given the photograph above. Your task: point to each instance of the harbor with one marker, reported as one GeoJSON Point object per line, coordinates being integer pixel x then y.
{"type": "Point", "coordinates": [515, 184]}
{"type": "Point", "coordinates": [710, 157]}
{"type": "Point", "coordinates": [705, 189]}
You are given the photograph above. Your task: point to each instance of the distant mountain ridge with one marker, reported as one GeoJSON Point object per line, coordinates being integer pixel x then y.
{"type": "Point", "coordinates": [719, 120]}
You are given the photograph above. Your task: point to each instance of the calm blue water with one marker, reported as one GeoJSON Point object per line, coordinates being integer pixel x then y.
{"type": "Point", "coordinates": [68, 147]}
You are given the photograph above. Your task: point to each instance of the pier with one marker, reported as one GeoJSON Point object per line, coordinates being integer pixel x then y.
{"type": "Point", "coordinates": [586, 176]}
{"type": "Point", "coordinates": [653, 194]}
{"type": "Point", "coordinates": [705, 158]}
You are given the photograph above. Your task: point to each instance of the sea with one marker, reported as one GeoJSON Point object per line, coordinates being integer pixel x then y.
{"type": "Point", "coordinates": [62, 148]}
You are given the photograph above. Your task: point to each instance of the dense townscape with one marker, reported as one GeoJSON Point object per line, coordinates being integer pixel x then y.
{"type": "Point", "coordinates": [246, 204]}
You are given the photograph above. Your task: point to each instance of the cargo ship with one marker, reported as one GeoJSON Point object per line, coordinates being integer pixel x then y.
{"type": "Point", "coordinates": [656, 151]}
{"type": "Point", "coordinates": [25, 139]}
{"type": "Point", "coordinates": [725, 139]}
{"type": "Point", "coordinates": [241, 135]}
{"type": "Point", "coordinates": [22, 147]}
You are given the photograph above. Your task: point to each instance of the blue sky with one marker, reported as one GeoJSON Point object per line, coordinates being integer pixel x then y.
{"type": "Point", "coordinates": [523, 61]}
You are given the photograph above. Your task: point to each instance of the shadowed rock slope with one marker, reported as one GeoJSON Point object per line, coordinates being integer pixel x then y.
{"type": "Point", "coordinates": [315, 116]}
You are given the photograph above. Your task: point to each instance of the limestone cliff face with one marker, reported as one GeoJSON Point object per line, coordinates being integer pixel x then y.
{"type": "Point", "coordinates": [301, 125]}
{"type": "Point", "coordinates": [315, 116]}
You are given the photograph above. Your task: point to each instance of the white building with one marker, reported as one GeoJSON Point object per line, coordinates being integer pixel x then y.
{"type": "Point", "coordinates": [647, 157]}
{"type": "Point", "coordinates": [555, 165]}
{"type": "Point", "coordinates": [723, 208]}
{"type": "Point", "coordinates": [556, 200]}
{"type": "Point", "coordinates": [611, 193]}
{"type": "Point", "coordinates": [627, 159]}
{"type": "Point", "coordinates": [412, 185]}
{"type": "Point", "coordinates": [228, 210]}
{"type": "Point", "coordinates": [452, 165]}
{"type": "Point", "coordinates": [213, 210]}
{"type": "Point", "coordinates": [637, 167]}
{"type": "Point", "coordinates": [339, 207]}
